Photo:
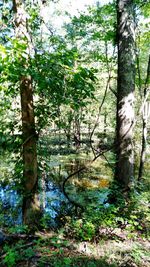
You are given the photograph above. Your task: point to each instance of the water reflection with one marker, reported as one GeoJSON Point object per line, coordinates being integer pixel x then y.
{"type": "Point", "coordinates": [89, 187]}
{"type": "Point", "coordinates": [53, 201]}
{"type": "Point", "coordinates": [11, 212]}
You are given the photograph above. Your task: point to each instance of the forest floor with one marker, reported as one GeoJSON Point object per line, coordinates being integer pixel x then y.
{"type": "Point", "coordinates": [50, 249]}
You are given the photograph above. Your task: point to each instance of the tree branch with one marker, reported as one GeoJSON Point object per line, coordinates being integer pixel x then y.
{"type": "Point", "coordinates": [86, 167]}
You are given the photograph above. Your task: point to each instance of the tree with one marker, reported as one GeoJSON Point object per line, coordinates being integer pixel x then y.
{"type": "Point", "coordinates": [30, 176]}
{"type": "Point", "coordinates": [125, 92]}
{"type": "Point", "coordinates": [145, 115]}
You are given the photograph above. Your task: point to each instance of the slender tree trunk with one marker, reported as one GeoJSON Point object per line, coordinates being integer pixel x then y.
{"type": "Point", "coordinates": [105, 125]}
{"type": "Point", "coordinates": [125, 93]}
{"type": "Point", "coordinates": [77, 134]}
{"type": "Point", "coordinates": [145, 115]}
{"type": "Point", "coordinates": [68, 132]}
{"type": "Point", "coordinates": [31, 206]}
{"type": "Point", "coordinates": [143, 150]}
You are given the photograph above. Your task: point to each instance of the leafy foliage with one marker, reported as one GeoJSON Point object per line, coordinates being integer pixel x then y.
{"type": "Point", "coordinates": [70, 74]}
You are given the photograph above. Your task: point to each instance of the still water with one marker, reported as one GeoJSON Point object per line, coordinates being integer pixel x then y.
{"type": "Point", "coordinates": [87, 188]}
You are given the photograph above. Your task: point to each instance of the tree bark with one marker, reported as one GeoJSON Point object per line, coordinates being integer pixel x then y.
{"type": "Point", "coordinates": [125, 93]}
{"type": "Point", "coordinates": [31, 205]}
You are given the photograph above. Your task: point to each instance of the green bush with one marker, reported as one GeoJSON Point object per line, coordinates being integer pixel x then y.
{"type": "Point", "coordinates": [11, 256]}
{"type": "Point", "coordinates": [83, 230]}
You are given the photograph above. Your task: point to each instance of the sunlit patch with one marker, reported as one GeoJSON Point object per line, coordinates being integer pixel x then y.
{"type": "Point", "coordinates": [86, 183]}
{"type": "Point", "coordinates": [103, 183]}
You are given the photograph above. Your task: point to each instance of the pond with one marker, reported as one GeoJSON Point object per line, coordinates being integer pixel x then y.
{"type": "Point", "coordinates": [87, 188]}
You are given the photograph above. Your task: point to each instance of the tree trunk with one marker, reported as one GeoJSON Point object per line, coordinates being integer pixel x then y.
{"type": "Point", "coordinates": [143, 150]}
{"type": "Point", "coordinates": [145, 115]}
{"type": "Point", "coordinates": [125, 93]}
{"type": "Point", "coordinates": [77, 133]}
{"type": "Point", "coordinates": [31, 205]}
{"type": "Point", "coordinates": [105, 125]}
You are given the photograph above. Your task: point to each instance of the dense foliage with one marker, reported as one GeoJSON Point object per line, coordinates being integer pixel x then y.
{"type": "Point", "coordinates": [74, 82]}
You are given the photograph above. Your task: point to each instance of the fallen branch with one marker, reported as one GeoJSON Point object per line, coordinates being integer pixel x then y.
{"type": "Point", "coordinates": [86, 167]}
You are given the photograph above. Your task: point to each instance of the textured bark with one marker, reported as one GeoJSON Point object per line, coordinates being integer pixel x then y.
{"type": "Point", "coordinates": [31, 206]}
{"type": "Point", "coordinates": [125, 93]}
{"type": "Point", "coordinates": [30, 177]}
